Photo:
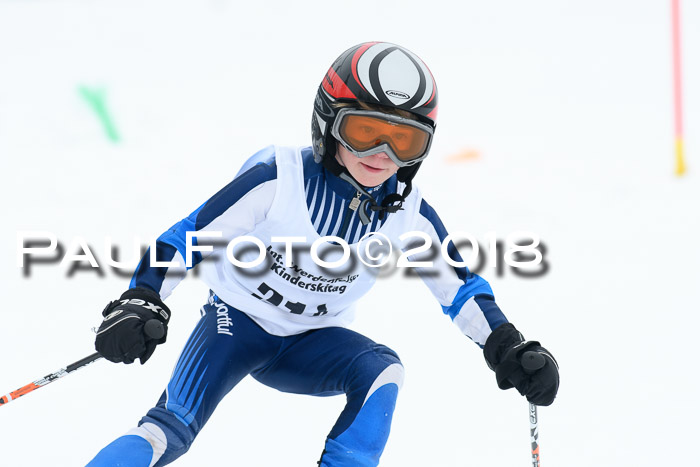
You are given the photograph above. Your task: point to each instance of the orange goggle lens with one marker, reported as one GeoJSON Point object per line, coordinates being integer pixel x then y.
{"type": "Point", "coordinates": [364, 132]}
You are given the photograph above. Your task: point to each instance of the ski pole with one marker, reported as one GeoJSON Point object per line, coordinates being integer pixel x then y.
{"type": "Point", "coordinates": [531, 362]}
{"type": "Point", "coordinates": [153, 329]}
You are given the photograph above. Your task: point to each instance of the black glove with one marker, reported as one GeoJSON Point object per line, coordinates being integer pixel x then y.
{"type": "Point", "coordinates": [122, 337]}
{"type": "Point", "coordinates": [504, 350]}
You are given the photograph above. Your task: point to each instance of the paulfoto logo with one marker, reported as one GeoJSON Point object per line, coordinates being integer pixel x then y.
{"type": "Point", "coordinates": [521, 250]}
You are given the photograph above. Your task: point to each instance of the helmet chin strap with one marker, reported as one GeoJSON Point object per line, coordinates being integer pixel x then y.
{"type": "Point", "coordinates": [387, 206]}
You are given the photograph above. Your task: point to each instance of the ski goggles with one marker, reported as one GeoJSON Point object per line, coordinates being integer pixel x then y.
{"type": "Point", "coordinates": [367, 132]}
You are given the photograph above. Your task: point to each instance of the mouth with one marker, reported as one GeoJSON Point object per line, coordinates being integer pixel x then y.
{"type": "Point", "coordinates": [371, 169]}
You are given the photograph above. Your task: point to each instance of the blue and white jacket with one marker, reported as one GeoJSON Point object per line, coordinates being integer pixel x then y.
{"type": "Point", "coordinates": [283, 192]}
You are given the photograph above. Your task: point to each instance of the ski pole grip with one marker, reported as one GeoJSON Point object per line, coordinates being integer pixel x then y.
{"type": "Point", "coordinates": [531, 361]}
{"type": "Point", "coordinates": [154, 329]}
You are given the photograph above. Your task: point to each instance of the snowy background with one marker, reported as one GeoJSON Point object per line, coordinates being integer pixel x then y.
{"type": "Point", "coordinates": [566, 110]}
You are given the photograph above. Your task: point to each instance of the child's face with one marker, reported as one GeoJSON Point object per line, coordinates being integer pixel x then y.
{"type": "Point", "coordinates": [368, 171]}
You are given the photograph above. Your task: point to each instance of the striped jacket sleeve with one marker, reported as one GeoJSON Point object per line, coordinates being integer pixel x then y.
{"type": "Point", "coordinates": [465, 297]}
{"type": "Point", "coordinates": [234, 211]}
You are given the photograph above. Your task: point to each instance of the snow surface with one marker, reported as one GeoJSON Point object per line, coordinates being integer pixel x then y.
{"type": "Point", "coordinates": [568, 105]}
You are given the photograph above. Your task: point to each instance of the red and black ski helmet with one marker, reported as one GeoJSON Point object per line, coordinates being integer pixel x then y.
{"type": "Point", "coordinates": [376, 73]}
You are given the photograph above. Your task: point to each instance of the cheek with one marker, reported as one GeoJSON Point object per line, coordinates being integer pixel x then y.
{"type": "Point", "coordinates": [345, 158]}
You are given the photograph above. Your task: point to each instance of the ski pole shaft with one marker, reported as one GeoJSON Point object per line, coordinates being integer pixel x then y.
{"type": "Point", "coordinates": [50, 378]}
{"type": "Point", "coordinates": [531, 362]}
{"type": "Point", "coordinates": [153, 329]}
{"type": "Point", "coordinates": [534, 436]}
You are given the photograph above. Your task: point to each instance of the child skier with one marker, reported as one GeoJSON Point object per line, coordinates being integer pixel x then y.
{"type": "Point", "coordinates": [284, 321]}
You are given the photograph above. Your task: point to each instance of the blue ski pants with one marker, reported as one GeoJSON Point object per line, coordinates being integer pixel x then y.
{"type": "Point", "coordinates": [225, 346]}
